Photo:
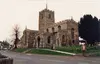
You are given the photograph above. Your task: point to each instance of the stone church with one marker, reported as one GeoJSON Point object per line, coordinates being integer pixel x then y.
{"type": "Point", "coordinates": [63, 33]}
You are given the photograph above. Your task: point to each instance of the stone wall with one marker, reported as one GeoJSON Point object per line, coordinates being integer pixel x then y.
{"type": "Point", "coordinates": [6, 60]}
{"type": "Point", "coordinates": [28, 39]}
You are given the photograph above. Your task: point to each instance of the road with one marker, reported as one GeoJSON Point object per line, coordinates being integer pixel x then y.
{"type": "Point", "coordinates": [21, 58]}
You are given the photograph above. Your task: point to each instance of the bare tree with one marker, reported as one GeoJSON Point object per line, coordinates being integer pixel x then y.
{"type": "Point", "coordinates": [16, 34]}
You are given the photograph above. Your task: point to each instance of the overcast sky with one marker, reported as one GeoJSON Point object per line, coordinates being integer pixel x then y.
{"type": "Point", "coordinates": [26, 12]}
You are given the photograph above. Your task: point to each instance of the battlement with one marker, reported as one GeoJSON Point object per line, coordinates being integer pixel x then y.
{"type": "Point", "coordinates": [46, 10]}
{"type": "Point", "coordinates": [61, 22]}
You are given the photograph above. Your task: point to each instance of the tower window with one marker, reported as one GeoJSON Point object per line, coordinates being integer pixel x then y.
{"type": "Point", "coordinates": [42, 16]}
{"type": "Point", "coordinates": [53, 29]}
{"type": "Point", "coordinates": [72, 33]}
{"type": "Point", "coordinates": [49, 16]}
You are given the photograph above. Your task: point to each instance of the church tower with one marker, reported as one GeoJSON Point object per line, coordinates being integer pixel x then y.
{"type": "Point", "coordinates": [46, 18]}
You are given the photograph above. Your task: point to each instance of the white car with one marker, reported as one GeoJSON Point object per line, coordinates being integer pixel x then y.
{"type": "Point", "coordinates": [5, 48]}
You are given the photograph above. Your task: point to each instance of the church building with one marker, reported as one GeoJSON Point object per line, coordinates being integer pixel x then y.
{"type": "Point", "coordinates": [62, 33]}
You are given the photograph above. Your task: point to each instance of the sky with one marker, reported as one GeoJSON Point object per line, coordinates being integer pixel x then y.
{"type": "Point", "coordinates": [26, 12]}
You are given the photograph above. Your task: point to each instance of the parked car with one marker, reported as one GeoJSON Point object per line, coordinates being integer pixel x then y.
{"type": "Point", "coordinates": [5, 48]}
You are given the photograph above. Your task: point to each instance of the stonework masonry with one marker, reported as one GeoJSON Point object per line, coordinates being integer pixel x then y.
{"type": "Point", "coordinates": [50, 34]}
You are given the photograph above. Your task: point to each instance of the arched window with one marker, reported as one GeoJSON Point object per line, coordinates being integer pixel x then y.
{"type": "Point", "coordinates": [53, 29]}
{"type": "Point", "coordinates": [38, 39]}
{"type": "Point", "coordinates": [59, 27]}
{"type": "Point", "coordinates": [47, 30]}
{"type": "Point", "coordinates": [63, 37]}
{"type": "Point", "coordinates": [73, 41]}
{"type": "Point", "coordinates": [49, 39]}
{"type": "Point", "coordinates": [49, 16]}
{"type": "Point", "coordinates": [72, 33]}
{"type": "Point", "coordinates": [63, 40]}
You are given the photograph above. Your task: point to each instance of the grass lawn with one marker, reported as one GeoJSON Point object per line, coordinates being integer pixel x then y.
{"type": "Point", "coordinates": [40, 51]}
{"type": "Point", "coordinates": [20, 50]}
{"type": "Point", "coordinates": [94, 51]}
{"type": "Point", "coordinates": [71, 49]}
{"type": "Point", "coordinates": [77, 50]}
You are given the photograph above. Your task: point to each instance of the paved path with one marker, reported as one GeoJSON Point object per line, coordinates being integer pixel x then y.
{"type": "Point", "coordinates": [61, 52]}
{"type": "Point", "coordinates": [21, 58]}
